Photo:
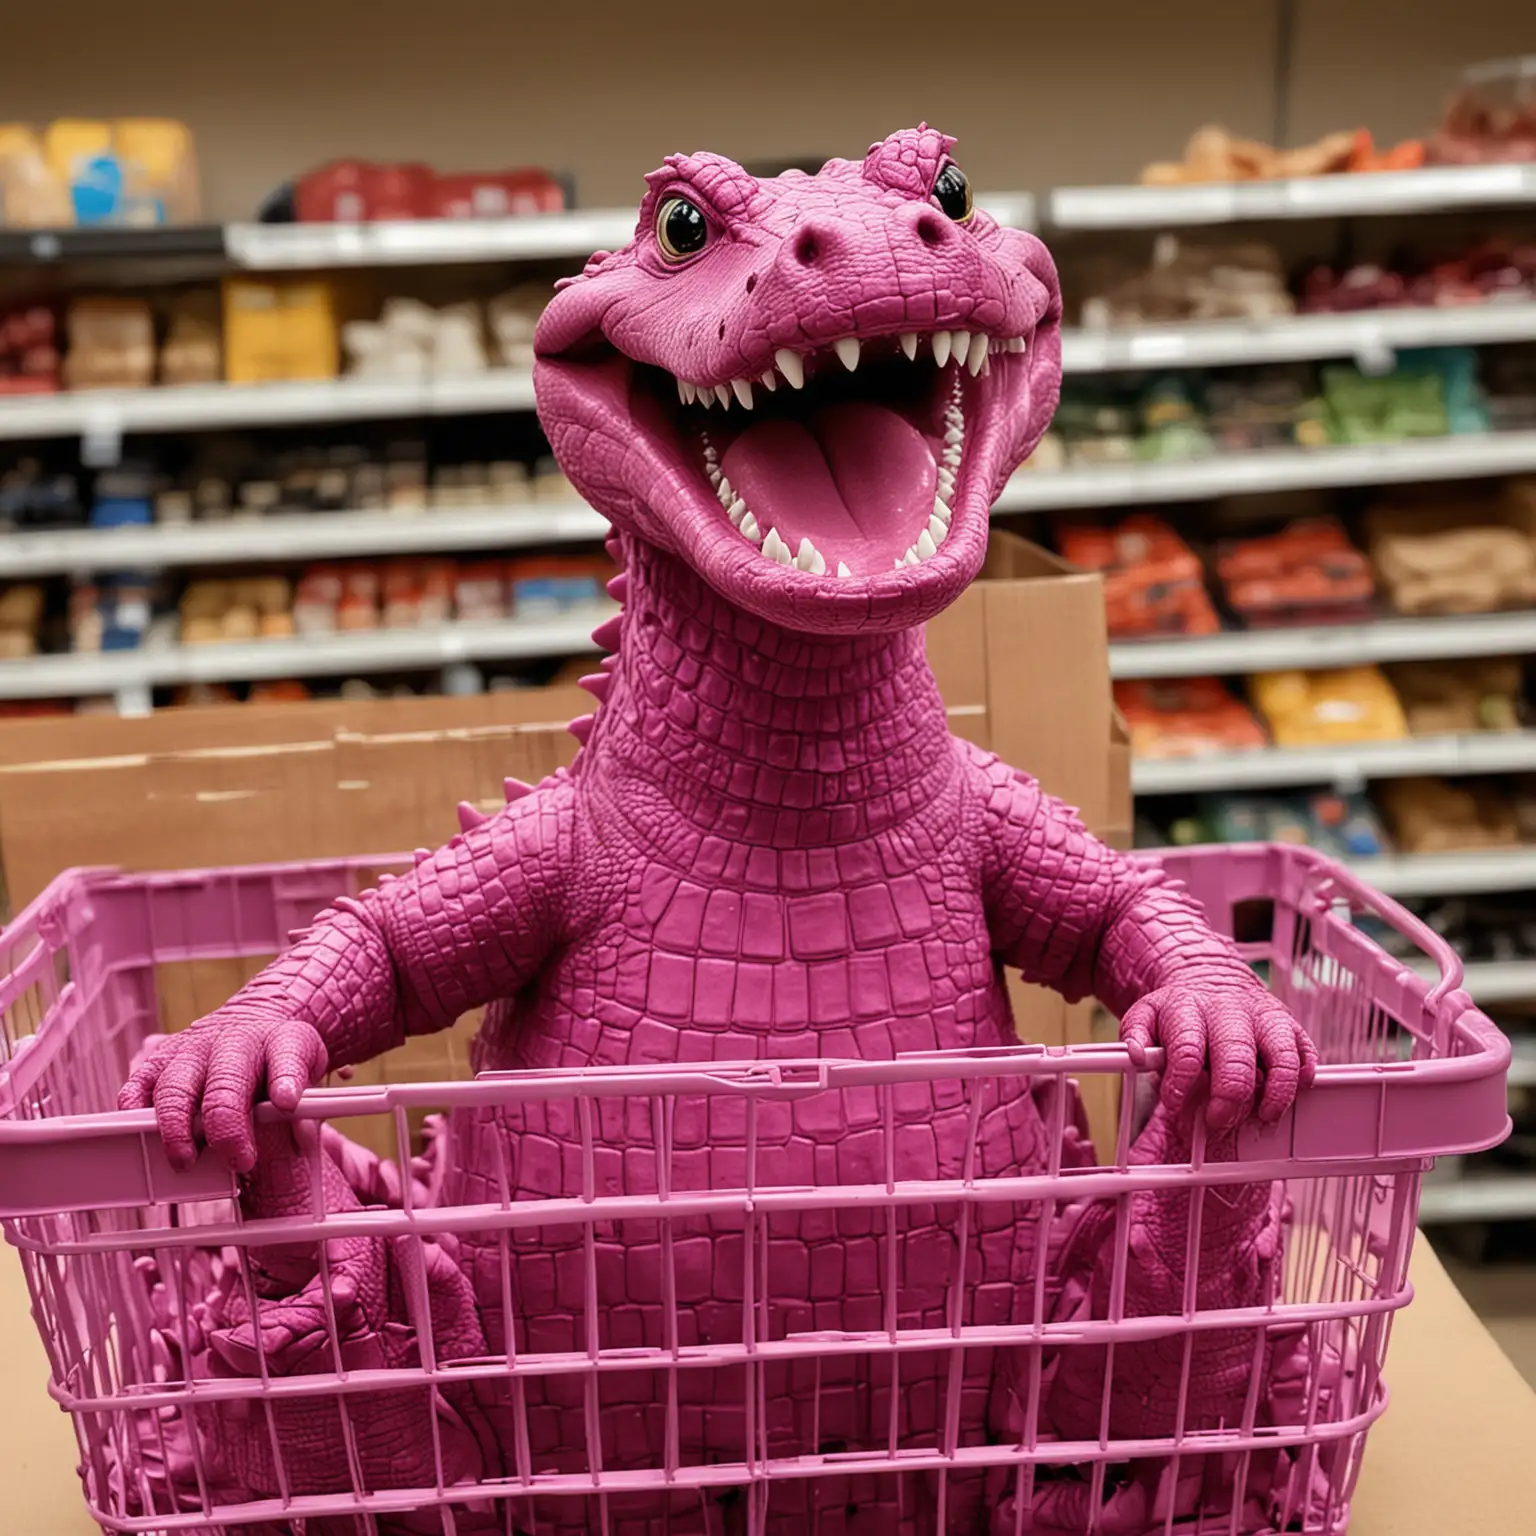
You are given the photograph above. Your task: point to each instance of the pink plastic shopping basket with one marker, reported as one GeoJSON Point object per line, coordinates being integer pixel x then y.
{"type": "Point", "coordinates": [119, 1248]}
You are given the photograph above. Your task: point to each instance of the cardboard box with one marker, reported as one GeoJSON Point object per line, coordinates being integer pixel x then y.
{"type": "Point", "coordinates": [1021, 661]}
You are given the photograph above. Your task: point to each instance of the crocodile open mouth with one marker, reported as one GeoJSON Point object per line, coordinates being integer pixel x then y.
{"type": "Point", "coordinates": [842, 460]}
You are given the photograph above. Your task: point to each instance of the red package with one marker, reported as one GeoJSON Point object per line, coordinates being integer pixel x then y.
{"type": "Point", "coordinates": [400, 192]}
{"type": "Point", "coordinates": [1153, 582]}
{"type": "Point", "coordinates": [334, 194]}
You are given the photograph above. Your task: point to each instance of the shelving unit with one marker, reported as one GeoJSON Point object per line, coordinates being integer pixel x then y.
{"type": "Point", "coordinates": [209, 407]}
{"type": "Point", "coordinates": [1435, 190]}
{"type": "Point", "coordinates": [1369, 334]}
{"type": "Point", "coordinates": [1326, 645]}
{"type": "Point", "coordinates": [1280, 469]}
{"type": "Point", "coordinates": [114, 672]}
{"type": "Point", "coordinates": [1475, 872]}
{"type": "Point", "coordinates": [1277, 767]}
{"type": "Point", "coordinates": [299, 536]}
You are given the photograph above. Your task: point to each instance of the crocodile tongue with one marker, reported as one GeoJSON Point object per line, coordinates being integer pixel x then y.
{"type": "Point", "coordinates": [855, 478]}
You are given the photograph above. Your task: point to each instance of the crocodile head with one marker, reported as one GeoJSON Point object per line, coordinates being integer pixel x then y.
{"type": "Point", "coordinates": [809, 388]}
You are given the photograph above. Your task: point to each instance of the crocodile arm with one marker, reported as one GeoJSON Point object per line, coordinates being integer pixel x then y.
{"type": "Point", "coordinates": [471, 923]}
{"type": "Point", "coordinates": [1074, 915]}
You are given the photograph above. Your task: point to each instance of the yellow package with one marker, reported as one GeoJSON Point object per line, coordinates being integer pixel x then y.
{"type": "Point", "coordinates": [159, 166]}
{"type": "Point", "coordinates": [283, 329]}
{"type": "Point", "coordinates": [1309, 709]}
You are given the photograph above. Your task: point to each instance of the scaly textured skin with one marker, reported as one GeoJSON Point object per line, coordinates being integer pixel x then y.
{"type": "Point", "coordinates": [771, 847]}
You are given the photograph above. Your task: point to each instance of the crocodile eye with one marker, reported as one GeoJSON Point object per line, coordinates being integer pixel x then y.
{"type": "Point", "coordinates": [681, 230]}
{"type": "Point", "coordinates": [952, 192]}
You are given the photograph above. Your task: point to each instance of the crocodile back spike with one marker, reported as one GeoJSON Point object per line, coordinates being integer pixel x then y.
{"type": "Point", "coordinates": [469, 817]}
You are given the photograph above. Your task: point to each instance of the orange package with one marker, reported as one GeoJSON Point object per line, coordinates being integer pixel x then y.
{"type": "Point", "coordinates": [1186, 717]}
{"type": "Point", "coordinates": [1153, 581]}
{"type": "Point", "coordinates": [1308, 573]}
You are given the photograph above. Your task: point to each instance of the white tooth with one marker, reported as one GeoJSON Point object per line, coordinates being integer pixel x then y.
{"type": "Point", "coordinates": [791, 367]}
{"type": "Point", "coordinates": [750, 529]}
{"type": "Point", "coordinates": [684, 392]}
{"type": "Point", "coordinates": [704, 394]}
{"type": "Point", "coordinates": [941, 347]}
{"type": "Point", "coordinates": [714, 478]}
{"type": "Point", "coordinates": [1017, 343]}
{"type": "Point", "coordinates": [723, 394]}
{"type": "Point", "coordinates": [842, 570]}
{"type": "Point", "coordinates": [847, 352]}
{"type": "Point", "coordinates": [709, 448]}
{"type": "Point", "coordinates": [899, 562]}
{"type": "Point", "coordinates": [941, 511]}
{"type": "Point", "coordinates": [724, 491]}
{"type": "Point", "coordinates": [770, 381]}
{"type": "Point", "coordinates": [808, 558]}
{"type": "Point", "coordinates": [775, 548]}
{"type": "Point", "coordinates": [925, 545]}
{"type": "Point", "coordinates": [937, 528]}
{"type": "Point", "coordinates": [977, 355]}
{"type": "Point", "coordinates": [954, 436]}
{"type": "Point", "coordinates": [736, 512]}
{"type": "Point", "coordinates": [911, 557]}
{"type": "Point", "coordinates": [743, 391]}
{"type": "Point", "coordinates": [960, 346]}
{"type": "Point", "coordinates": [909, 344]}
{"type": "Point", "coordinates": [946, 484]}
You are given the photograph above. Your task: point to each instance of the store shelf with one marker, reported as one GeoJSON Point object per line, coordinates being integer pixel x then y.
{"type": "Point", "coordinates": [48, 247]}
{"type": "Point", "coordinates": [109, 413]}
{"type": "Point", "coordinates": [1450, 874]}
{"type": "Point", "coordinates": [1434, 190]}
{"type": "Point", "coordinates": [380, 650]}
{"type": "Point", "coordinates": [1492, 981]}
{"type": "Point", "coordinates": [432, 242]}
{"type": "Point", "coordinates": [1324, 645]}
{"type": "Point", "coordinates": [1283, 469]}
{"type": "Point", "coordinates": [300, 536]}
{"type": "Point", "coordinates": [1522, 1061]}
{"type": "Point", "coordinates": [1369, 334]}
{"type": "Point", "coordinates": [1490, 1197]}
{"type": "Point", "coordinates": [1274, 767]}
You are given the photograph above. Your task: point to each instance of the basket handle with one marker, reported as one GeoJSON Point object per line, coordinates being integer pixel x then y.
{"type": "Point", "coordinates": [1328, 878]}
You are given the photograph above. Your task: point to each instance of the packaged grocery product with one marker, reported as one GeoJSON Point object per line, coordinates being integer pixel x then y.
{"type": "Point", "coordinates": [1308, 573]}
{"type": "Point", "coordinates": [1447, 698]}
{"type": "Point", "coordinates": [279, 329]}
{"type": "Point", "coordinates": [1346, 704]}
{"type": "Point", "coordinates": [111, 344]}
{"type": "Point", "coordinates": [1433, 816]}
{"type": "Point", "coordinates": [1449, 557]}
{"type": "Point", "coordinates": [1186, 717]}
{"type": "Point", "coordinates": [1153, 581]}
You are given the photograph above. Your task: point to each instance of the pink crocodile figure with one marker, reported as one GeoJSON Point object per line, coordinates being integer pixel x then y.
{"type": "Point", "coordinates": [795, 400]}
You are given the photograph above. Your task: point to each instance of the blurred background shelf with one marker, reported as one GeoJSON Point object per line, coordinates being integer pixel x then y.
{"type": "Point", "coordinates": [297, 536]}
{"type": "Point", "coordinates": [1324, 645]}
{"type": "Point", "coordinates": [209, 407]}
{"type": "Point", "coordinates": [1280, 469]}
{"type": "Point", "coordinates": [1275, 767]}
{"type": "Point", "coordinates": [1488, 982]}
{"type": "Point", "coordinates": [1240, 343]}
{"type": "Point", "coordinates": [1488, 1197]}
{"type": "Point", "coordinates": [85, 674]}
{"type": "Point", "coordinates": [1433, 190]}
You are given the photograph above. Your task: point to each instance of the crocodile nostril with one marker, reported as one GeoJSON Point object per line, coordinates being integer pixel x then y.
{"type": "Point", "coordinates": [751, 282]}
{"type": "Point", "coordinates": [807, 247]}
{"type": "Point", "coordinates": [931, 229]}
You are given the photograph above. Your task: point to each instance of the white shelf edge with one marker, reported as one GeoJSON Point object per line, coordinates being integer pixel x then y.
{"type": "Point", "coordinates": [200, 407]}
{"type": "Point", "coordinates": [1303, 197]}
{"type": "Point", "coordinates": [1324, 645]}
{"type": "Point", "coordinates": [1276, 767]}
{"type": "Point", "coordinates": [1450, 874]}
{"type": "Point", "coordinates": [1216, 344]}
{"type": "Point", "coordinates": [379, 650]}
{"type": "Point", "coordinates": [1283, 469]}
{"type": "Point", "coordinates": [1491, 981]}
{"type": "Point", "coordinates": [423, 242]}
{"type": "Point", "coordinates": [1488, 1197]}
{"type": "Point", "coordinates": [298, 536]}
